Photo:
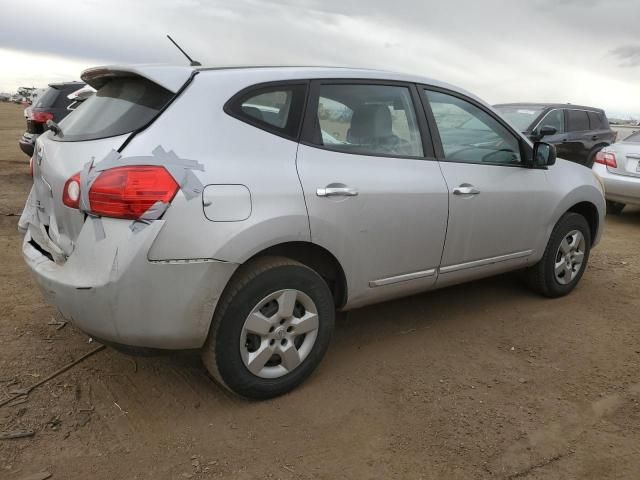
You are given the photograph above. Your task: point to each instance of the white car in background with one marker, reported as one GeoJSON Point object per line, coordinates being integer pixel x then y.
{"type": "Point", "coordinates": [618, 166]}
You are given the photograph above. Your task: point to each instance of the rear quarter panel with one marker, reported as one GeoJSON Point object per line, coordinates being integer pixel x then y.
{"type": "Point", "coordinates": [195, 127]}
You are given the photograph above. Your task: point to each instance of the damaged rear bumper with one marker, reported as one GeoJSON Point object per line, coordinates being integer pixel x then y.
{"type": "Point", "coordinates": [108, 288]}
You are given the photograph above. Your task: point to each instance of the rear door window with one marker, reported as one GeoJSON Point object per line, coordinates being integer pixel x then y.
{"type": "Point", "coordinates": [578, 120]}
{"type": "Point", "coordinates": [48, 98]}
{"type": "Point", "coordinates": [368, 120]}
{"type": "Point", "coordinates": [122, 105]}
{"type": "Point", "coordinates": [595, 121]}
{"type": "Point", "coordinates": [277, 109]}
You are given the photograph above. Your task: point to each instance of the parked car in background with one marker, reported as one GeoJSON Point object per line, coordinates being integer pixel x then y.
{"type": "Point", "coordinates": [618, 166]}
{"type": "Point", "coordinates": [51, 105]}
{"type": "Point", "coordinates": [233, 210]}
{"type": "Point", "coordinates": [577, 132]}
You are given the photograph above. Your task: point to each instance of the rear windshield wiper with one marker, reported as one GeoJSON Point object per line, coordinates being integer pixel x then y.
{"type": "Point", "coordinates": [55, 128]}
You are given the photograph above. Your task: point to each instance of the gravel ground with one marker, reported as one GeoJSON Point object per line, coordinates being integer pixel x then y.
{"type": "Point", "coordinates": [485, 380]}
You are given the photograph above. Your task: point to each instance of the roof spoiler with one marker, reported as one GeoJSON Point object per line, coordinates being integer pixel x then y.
{"type": "Point", "coordinates": [170, 77]}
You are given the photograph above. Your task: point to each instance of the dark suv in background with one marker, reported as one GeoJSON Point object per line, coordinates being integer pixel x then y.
{"type": "Point", "coordinates": [51, 105]}
{"type": "Point", "coordinates": [577, 132]}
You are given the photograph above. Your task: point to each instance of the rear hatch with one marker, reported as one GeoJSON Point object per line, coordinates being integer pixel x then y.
{"type": "Point", "coordinates": [51, 105]}
{"type": "Point", "coordinates": [126, 101]}
{"type": "Point", "coordinates": [627, 159]}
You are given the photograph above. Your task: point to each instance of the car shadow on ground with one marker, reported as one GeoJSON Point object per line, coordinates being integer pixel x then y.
{"type": "Point", "coordinates": [449, 310]}
{"type": "Point", "coordinates": [629, 216]}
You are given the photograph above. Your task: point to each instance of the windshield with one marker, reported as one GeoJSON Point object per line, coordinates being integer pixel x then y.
{"type": "Point", "coordinates": [121, 106]}
{"type": "Point", "coordinates": [521, 117]}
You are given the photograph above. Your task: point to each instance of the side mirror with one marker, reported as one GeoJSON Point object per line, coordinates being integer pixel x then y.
{"type": "Point", "coordinates": [544, 154]}
{"type": "Point", "coordinates": [547, 130]}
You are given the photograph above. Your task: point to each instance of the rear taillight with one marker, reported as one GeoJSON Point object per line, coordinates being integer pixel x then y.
{"type": "Point", "coordinates": [41, 117]}
{"type": "Point", "coordinates": [71, 192]}
{"type": "Point", "coordinates": [607, 158]}
{"type": "Point", "coordinates": [128, 192]}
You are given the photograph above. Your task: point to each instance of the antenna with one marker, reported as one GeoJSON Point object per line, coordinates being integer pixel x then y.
{"type": "Point", "coordinates": [192, 62]}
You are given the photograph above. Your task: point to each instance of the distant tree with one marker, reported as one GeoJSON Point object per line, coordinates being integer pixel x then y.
{"type": "Point", "coordinates": [26, 91]}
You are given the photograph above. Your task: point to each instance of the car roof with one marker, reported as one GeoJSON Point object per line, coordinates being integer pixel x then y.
{"type": "Point", "coordinates": [59, 85]}
{"type": "Point", "coordinates": [173, 77]}
{"type": "Point", "coordinates": [550, 105]}
{"type": "Point", "coordinates": [320, 72]}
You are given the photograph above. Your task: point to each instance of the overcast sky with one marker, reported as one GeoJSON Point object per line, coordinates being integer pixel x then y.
{"type": "Point", "coordinates": [578, 51]}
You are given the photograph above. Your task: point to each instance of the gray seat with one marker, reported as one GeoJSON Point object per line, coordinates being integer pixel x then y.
{"type": "Point", "coordinates": [370, 125]}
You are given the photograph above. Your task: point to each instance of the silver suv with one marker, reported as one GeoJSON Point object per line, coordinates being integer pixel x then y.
{"type": "Point", "coordinates": [235, 210]}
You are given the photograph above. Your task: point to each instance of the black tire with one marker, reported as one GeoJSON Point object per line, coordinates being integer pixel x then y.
{"type": "Point", "coordinates": [253, 282]}
{"type": "Point", "coordinates": [541, 277]}
{"type": "Point", "coordinates": [614, 208]}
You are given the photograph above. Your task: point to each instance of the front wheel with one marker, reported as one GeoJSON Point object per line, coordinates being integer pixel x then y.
{"type": "Point", "coordinates": [271, 328]}
{"type": "Point", "coordinates": [565, 258]}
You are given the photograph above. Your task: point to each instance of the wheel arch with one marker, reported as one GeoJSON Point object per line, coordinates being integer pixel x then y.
{"type": "Point", "coordinates": [590, 212]}
{"type": "Point", "coordinates": [318, 258]}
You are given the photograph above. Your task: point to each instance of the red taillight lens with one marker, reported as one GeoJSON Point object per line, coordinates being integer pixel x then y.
{"type": "Point", "coordinates": [41, 117]}
{"type": "Point", "coordinates": [607, 158]}
{"type": "Point", "coordinates": [128, 192]}
{"type": "Point", "coordinates": [71, 192]}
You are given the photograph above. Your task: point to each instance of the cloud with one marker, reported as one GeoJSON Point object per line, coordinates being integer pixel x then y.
{"type": "Point", "coordinates": [629, 54]}
{"type": "Point", "coordinates": [503, 51]}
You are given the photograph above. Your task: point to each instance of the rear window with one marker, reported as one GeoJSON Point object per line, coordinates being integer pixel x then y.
{"type": "Point", "coordinates": [48, 98]}
{"type": "Point", "coordinates": [597, 121]}
{"type": "Point", "coordinates": [578, 120]}
{"type": "Point", "coordinates": [122, 105]}
{"type": "Point", "coordinates": [633, 138]}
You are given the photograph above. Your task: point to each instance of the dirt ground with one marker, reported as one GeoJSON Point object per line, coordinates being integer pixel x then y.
{"type": "Point", "coordinates": [485, 380]}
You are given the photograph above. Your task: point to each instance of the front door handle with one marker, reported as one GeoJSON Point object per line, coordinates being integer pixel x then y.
{"type": "Point", "coordinates": [337, 192]}
{"type": "Point", "coordinates": [466, 189]}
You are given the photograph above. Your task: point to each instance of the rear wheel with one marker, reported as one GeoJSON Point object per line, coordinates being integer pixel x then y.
{"type": "Point", "coordinates": [271, 328]}
{"type": "Point", "coordinates": [614, 208]}
{"type": "Point", "coordinates": [565, 258]}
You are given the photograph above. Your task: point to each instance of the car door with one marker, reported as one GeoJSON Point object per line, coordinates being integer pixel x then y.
{"type": "Point", "coordinates": [498, 206]}
{"type": "Point", "coordinates": [374, 192]}
{"type": "Point", "coordinates": [554, 118]}
{"type": "Point", "coordinates": [578, 144]}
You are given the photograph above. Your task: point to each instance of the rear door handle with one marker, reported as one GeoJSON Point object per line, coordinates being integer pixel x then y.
{"type": "Point", "coordinates": [337, 192]}
{"type": "Point", "coordinates": [466, 189]}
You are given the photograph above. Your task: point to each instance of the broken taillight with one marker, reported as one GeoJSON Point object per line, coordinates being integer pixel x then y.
{"type": "Point", "coordinates": [128, 192]}
{"type": "Point", "coordinates": [71, 192]}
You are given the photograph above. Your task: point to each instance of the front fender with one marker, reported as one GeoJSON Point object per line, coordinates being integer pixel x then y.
{"type": "Point", "coordinates": [575, 184]}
